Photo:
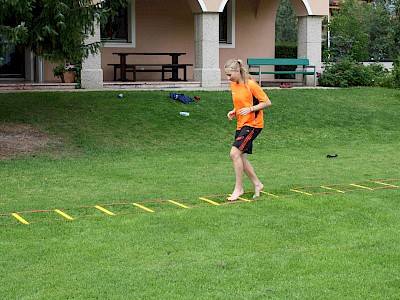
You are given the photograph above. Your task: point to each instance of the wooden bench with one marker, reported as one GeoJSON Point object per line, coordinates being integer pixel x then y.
{"type": "Point", "coordinates": [165, 68]}
{"type": "Point", "coordinates": [171, 67]}
{"type": "Point", "coordinates": [259, 63]}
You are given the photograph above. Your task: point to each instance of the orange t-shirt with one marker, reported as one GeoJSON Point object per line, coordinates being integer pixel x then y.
{"type": "Point", "coordinates": [242, 96]}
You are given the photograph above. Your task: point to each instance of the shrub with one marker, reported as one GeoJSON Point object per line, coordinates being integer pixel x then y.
{"type": "Point", "coordinates": [285, 50]}
{"type": "Point", "coordinates": [396, 73]}
{"type": "Point", "coordinates": [387, 79]}
{"type": "Point", "coordinates": [346, 73]}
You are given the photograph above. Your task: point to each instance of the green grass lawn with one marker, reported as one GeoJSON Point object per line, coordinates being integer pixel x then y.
{"type": "Point", "coordinates": [139, 149]}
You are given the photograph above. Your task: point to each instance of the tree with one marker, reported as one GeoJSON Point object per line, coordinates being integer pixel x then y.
{"type": "Point", "coordinates": [349, 31]}
{"type": "Point", "coordinates": [286, 23]}
{"type": "Point", "coordinates": [362, 31]}
{"type": "Point", "coordinates": [55, 29]}
{"type": "Point", "coordinates": [380, 22]}
{"type": "Point", "coordinates": [394, 34]}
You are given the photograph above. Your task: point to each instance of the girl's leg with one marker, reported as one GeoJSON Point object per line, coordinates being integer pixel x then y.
{"type": "Point", "coordinates": [236, 156]}
{"type": "Point", "coordinates": [249, 170]}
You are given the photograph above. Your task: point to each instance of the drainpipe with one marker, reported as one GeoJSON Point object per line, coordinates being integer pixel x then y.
{"type": "Point", "coordinates": [40, 69]}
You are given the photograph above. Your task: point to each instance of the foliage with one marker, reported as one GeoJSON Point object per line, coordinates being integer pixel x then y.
{"type": "Point", "coordinates": [396, 73]}
{"type": "Point", "coordinates": [391, 80]}
{"type": "Point", "coordinates": [387, 79]}
{"type": "Point", "coordinates": [362, 31]}
{"type": "Point", "coordinates": [62, 68]}
{"type": "Point", "coordinates": [379, 26]}
{"type": "Point", "coordinates": [286, 23]}
{"type": "Point", "coordinates": [67, 67]}
{"type": "Point", "coordinates": [347, 73]}
{"type": "Point", "coordinates": [286, 50]}
{"type": "Point", "coordinates": [394, 34]}
{"type": "Point", "coordinates": [349, 31]}
{"type": "Point", "coordinates": [55, 29]}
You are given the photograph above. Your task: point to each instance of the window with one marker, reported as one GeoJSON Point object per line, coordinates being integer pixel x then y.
{"type": "Point", "coordinates": [223, 26]}
{"type": "Point", "coordinates": [116, 30]}
{"type": "Point", "coordinates": [120, 29]}
{"type": "Point", "coordinates": [227, 26]}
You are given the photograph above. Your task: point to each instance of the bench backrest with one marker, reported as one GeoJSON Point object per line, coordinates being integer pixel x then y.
{"type": "Point", "coordinates": [277, 61]}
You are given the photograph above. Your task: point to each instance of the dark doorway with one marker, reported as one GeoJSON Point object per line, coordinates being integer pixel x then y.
{"type": "Point", "coordinates": [13, 65]}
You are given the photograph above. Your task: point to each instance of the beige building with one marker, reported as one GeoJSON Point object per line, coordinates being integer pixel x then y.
{"type": "Point", "coordinates": [209, 32]}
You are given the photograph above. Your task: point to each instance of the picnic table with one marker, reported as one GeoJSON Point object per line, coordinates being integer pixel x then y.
{"type": "Point", "coordinates": [172, 67]}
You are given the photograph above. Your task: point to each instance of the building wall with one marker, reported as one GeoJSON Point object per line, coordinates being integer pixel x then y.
{"type": "Point", "coordinates": [255, 31]}
{"type": "Point", "coordinates": [168, 26]}
{"type": "Point", "coordinates": [166, 30]}
{"type": "Point", "coordinates": [311, 7]}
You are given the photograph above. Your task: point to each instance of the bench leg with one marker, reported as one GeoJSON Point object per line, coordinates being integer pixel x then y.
{"type": "Point", "coordinates": [115, 73]}
{"type": "Point", "coordinates": [184, 73]}
{"type": "Point", "coordinates": [134, 73]}
{"type": "Point", "coordinates": [175, 76]}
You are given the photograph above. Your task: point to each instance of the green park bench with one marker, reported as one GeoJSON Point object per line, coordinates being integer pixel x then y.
{"type": "Point", "coordinates": [256, 66]}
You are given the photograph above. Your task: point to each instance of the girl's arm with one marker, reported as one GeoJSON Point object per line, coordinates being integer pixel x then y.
{"type": "Point", "coordinates": [258, 92]}
{"type": "Point", "coordinates": [260, 106]}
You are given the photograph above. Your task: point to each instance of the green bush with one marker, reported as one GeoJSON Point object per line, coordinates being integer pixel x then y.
{"type": "Point", "coordinates": [396, 73]}
{"type": "Point", "coordinates": [346, 73]}
{"type": "Point", "coordinates": [384, 78]}
{"type": "Point", "coordinates": [285, 50]}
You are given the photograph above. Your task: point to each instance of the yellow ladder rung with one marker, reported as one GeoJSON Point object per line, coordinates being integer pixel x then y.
{"type": "Point", "coordinates": [105, 210]}
{"type": "Point", "coordinates": [386, 184]}
{"type": "Point", "coordinates": [243, 199]}
{"type": "Point", "coordinates": [177, 203]}
{"type": "Point", "coordinates": [209, 201]}
{"type": "Point", "coordinates": [328, 188]}
{"type": "Point", "coordinates": [301, 192]}
{"type": "Point", "coordinates": [19, 218]}
{"type": "Point", "coordinates": [269, 194]}
{"type": "Point", "coordinates": [360, 186]}
{"type": "Point", "coordinates": [64, 214]}
{"type": "Point", "coordinates": [143, 207]}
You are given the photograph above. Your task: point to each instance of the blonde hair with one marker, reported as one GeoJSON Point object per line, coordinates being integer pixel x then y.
{"type": "Point", "coordinates": [233, 65]}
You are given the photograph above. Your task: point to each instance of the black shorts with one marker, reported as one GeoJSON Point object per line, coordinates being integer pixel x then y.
{"type": "Point", "coordinates": [244, 138]}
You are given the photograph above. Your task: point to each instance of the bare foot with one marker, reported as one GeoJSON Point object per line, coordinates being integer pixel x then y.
{"type": "Point", "coordinates": [257, 189]}
{"type": "Point", "coordinates": [236, 194]}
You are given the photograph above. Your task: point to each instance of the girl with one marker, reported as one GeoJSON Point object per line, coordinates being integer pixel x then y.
{"type": "Point", "coordinates": [249, 100]}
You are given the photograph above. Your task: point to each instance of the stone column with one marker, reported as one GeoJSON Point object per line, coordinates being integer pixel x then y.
{"type": "Point", "coordinates": [310, 42]}
{"type": "Point", "coordinates": [207, 69]}
{"type": "Point", "coordinates": [92, 74]}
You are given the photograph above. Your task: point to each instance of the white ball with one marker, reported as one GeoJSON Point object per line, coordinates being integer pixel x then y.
{"type": "Point", "coordinates": [120, 96]}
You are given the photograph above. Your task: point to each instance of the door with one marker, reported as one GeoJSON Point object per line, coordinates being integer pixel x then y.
{"type": "Point", "coordinates": [13, 65]}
